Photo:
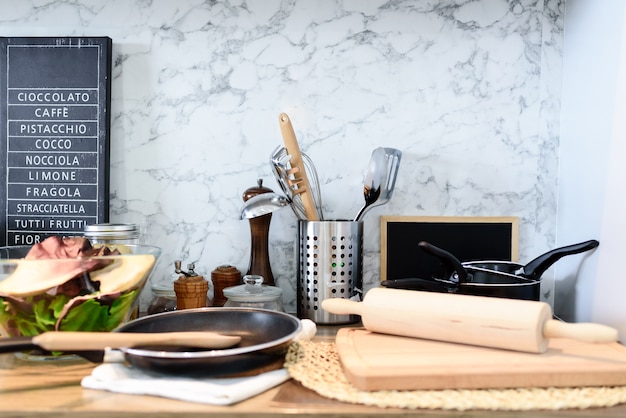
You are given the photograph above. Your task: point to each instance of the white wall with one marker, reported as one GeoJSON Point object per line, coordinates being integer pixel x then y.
{"type": "Point", "coordinates": [591, 176]}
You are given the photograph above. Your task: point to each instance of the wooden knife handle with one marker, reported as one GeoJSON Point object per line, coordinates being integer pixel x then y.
{"type": "Point", "coordinates": [593, 333]}
{"type": "Point", "coordinates": [293, 149]}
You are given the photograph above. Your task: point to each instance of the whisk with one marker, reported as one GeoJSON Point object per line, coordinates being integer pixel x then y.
{"type": "Point", "coordinates": [284, 173]}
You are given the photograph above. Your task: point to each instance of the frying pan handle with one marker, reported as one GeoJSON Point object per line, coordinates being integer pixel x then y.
{"type": "Point", "coordinates": [16, 344]}
{"type": "Point", "coordinates": [19, 344]}
{"type": "Point", "coordinates": [454, 269]}
{"type": "Point", "coordinates": [535, 268]}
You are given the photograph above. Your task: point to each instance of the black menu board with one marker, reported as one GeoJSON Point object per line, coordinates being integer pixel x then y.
{"type": "Point", "coordinates": [468, 238]}
{"type": "Point", "coordinates": [54, 135]}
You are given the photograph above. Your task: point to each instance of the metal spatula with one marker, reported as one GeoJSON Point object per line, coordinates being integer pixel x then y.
{"type": "Point", "coordinates": [380, 179]}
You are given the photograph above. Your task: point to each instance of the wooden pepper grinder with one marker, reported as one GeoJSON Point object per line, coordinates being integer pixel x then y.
{"type": "Point", "coordinates": [191, 289]}
{"type": "Point", "coordinates": [259, 231]}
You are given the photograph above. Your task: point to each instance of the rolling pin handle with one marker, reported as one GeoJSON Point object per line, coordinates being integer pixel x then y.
{"type": "Point", "coordinates": [341, 306]}
{"type": "Point", "coordinates": [593, 333]}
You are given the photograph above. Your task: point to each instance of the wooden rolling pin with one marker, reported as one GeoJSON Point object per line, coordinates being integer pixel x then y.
{"type": "Point", "coordinates": [511, 324]}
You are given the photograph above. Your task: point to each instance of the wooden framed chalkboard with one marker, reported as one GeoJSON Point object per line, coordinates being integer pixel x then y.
{"type": "Point", "coordinates": [467, 238]}
{"type": "Point", "coordinates": [55, 98]}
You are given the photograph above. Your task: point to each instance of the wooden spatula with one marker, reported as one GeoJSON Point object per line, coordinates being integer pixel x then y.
{"type": "Point", "coordinates": [75, 341]}
{"type": "Point", "coordinates": [301, 181]}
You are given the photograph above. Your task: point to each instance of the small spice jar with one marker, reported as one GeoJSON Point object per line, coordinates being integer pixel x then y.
{"type": "Point", "coordinates": [163, 295]}
{"type": "Point", "coordinates": [163, 300]}
{"type": "Point", "coordinates": [223, 277]}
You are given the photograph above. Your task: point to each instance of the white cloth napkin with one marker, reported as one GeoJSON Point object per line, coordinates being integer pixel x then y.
{"type": "Point", "coordinates": [117, 377]}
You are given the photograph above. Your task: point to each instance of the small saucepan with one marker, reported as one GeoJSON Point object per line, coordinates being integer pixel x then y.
{"type": "Point", "coordinates": [265, 338]}
{"type": "Point", "coordinates": [489, 278]}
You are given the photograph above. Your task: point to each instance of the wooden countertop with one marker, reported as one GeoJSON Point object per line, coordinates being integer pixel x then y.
{"type": "Point", "coordinates": [52, 389]}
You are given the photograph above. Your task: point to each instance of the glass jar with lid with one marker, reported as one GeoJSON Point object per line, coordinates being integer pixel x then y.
{"type": "Point", "coordinates": [163, 299]}
{"type": "Point", "coordinates": [163, 294]}
{"type": "Point", "coordinates": [114, 236]}
{"type": "Point", "coordinates": [254, 294]}
{"type": "Point", "coordinates": [112, 233]}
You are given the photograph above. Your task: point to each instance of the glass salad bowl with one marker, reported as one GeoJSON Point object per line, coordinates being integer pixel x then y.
{"type": "Point", "coordinates": [65, 284]}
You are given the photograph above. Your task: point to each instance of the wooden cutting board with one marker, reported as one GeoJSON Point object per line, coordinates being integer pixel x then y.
{"type": "Point", "coordinates": [373, 361]}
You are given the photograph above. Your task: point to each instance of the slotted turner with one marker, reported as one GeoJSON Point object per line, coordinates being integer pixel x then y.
{"type": "Point", "coordinates": [300, 181]}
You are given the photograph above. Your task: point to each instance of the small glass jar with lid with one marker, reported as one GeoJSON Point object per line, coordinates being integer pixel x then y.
{"type": "Point", "coordinates": [254, 294]}
{"type": "Point", "coordinates": [163, 299]}
{"type": "Point", "coordinates": [111, 233]}
{"type": "Point", "coordinates": [114, 236]}
{"type": "Point", "coordinates": [163, 294]}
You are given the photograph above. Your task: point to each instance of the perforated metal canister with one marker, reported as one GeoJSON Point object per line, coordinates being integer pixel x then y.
{"type": "Point", "coordinates": [329, 266]}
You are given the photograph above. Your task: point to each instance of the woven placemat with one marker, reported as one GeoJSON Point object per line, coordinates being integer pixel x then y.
{"type": "Point", "coordinates": [316, 366]}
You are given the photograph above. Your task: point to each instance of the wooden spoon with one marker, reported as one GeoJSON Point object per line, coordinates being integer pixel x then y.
{"type": "Point", "coordinates": [75, 341]}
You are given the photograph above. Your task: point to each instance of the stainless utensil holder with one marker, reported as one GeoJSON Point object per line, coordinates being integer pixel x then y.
{"type": "Point", "coordinates": [329, 266]}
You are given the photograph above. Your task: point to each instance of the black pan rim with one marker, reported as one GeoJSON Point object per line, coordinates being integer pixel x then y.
{"type": "Point", "coordinates": [470, 263]}
{"type": "Point", "coordinates": [470, 268]}
{"type": "Point", "coordinates": [495, 285]}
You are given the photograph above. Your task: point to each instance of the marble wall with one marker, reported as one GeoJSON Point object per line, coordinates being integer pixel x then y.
{"type": "Point", "coordinates": [468, 90]}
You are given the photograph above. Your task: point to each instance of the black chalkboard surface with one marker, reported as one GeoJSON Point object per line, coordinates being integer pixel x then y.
{"type": "Point", "coordinates": [55, 96]}
{"type": "Point", "coordinates": [467, 238]}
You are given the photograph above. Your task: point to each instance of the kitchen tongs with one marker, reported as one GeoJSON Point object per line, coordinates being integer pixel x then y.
{"type": "Point", "coordinates": [297, 175]}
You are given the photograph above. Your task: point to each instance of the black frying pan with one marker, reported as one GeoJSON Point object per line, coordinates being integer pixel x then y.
{"type": "Point", "coordinates": [265, 338]}
{"type": "Point", "coordinates": [489, 278]}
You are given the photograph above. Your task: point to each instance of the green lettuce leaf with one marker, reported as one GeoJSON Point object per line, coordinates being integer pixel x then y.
{"type": "Point", "coordinates": [86, 315]}
{"type": "Point", "coordinates": [92, 315]}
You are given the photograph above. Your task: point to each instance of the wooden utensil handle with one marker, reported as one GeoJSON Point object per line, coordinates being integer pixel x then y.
{"type": "Point", "coordinates": [340, 306]}
{"type": "Point", "coordinates": [70, 340]}
{"type": "Point", "coordinates": [593, 333]}
{"type": "Point", "coordinates": [297, 164]}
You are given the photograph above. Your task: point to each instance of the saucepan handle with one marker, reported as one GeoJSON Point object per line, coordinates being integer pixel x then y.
{"type": "Point", "coordinates": [454, 269]}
